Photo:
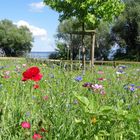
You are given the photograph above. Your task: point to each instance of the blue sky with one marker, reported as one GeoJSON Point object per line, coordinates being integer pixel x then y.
{"type": "Point", "coordinates": [40, 19]}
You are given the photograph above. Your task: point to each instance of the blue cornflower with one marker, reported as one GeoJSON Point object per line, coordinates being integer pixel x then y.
{"type": "Point", "coordinates": [1, 85]}
{"type": "Point", "coordinates": [129, 107]}
{"type": "Point", "coordinates": [138, 102]}
{"type": "Point", "coordinates": [125, 86]}
{"type": "Point", "coordinates": [51, 75]}
{"type": "Point", "coordinates": [28, 114]}
{"type": "Point", "coordinates": [138, 87]}
{"type": "Point", "coordinates": [1, 67]}
{"type": "Point", "coordinates": [75, 101]}
{"type": "Point", "coordinates": [130, 87]}
{"type": "Point", "coordinates": [122, 67]}
{"type": "Point", "coordinates": [78, 78]}
{"type": "Point", "coordinates": [120, 71]}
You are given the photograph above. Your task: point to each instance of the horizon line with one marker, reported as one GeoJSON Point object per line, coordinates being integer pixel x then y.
{"type": "Point", "coordinates": [42, 51]}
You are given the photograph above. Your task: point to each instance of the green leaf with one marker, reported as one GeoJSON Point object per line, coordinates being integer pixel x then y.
{"type": "Point", "coordinates": [83, 100]}
{"type": "Point", "coordinates": [106, 109]}
{"type": "Point", "coordinates": [131, 117]}
{"type": "Point", "coordinates": [103, 133]}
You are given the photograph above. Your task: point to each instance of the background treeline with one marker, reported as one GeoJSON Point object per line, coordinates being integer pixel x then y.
{"type": "Point", "coordinates": [14, 41]}
{"type": "Point", "coordinates": [117, 40]}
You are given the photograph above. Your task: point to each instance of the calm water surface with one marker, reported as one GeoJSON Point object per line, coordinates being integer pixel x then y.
{"type": "Point", "coordinates": [39, 54]}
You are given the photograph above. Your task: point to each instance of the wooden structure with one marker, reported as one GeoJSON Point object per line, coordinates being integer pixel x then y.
{"type": "Point", "coordinates": [83, 33]}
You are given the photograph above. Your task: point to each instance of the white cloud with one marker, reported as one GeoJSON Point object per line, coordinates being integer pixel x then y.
{"type": "Point", "coordinates": [36, 6]}
{"type": "Point", "coordinates": [43, 46]}
{"type": "Point", "coordinates": [36, 31]}
{"type": "Point", "coordinates": [41, 40]}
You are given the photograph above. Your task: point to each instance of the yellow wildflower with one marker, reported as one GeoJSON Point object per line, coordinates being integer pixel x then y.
{"type": "Point", "coordinates": [93, 120]}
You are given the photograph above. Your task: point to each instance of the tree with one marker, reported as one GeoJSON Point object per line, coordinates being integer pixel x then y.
{"type": "Point", "coordinates": [72, 42]}
{"type": "Point", "coordinates": [103, 40]}
{"type": "Point", "coordinates": [126, 30]}
{"type": "Point", "coordinates": [87, 11]}
{"type": "Point", "coordinates": [14, 41]}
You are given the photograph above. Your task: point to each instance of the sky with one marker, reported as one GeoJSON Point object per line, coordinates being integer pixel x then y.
{"type": "Point", "coordinates": [39, 18]}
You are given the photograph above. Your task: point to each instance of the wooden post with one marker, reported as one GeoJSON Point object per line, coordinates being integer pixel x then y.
{"type": "Point", "coordinates": [67, 52]}
{"type": "Point", "coordinates": [71, 52]}
{"type": "Point", "coordinates": [71, 48]}
{"type": "Point", "coordinates": [83, 49]}
{"type": "Point", "coordinates": [83, 33]}
{"type": "Point", "coordinates": [92, 49]}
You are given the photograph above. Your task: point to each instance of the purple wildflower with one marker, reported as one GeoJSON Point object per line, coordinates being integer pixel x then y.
{"type": "Point", "coordinates": [87, 85]}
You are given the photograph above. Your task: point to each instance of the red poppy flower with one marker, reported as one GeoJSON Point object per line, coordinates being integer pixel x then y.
{"type": "Point", "coordinates": [25, 125]}
{"type": "Point", "coordinates": [36, 86]}
{"type": "Point", "coordinates": [43, 130]}
{"type": "Point", "coordinates": [36, 136]}
{"type": "Point", "coordinates": [32, 73]}
{"type": "Point", "coordinates": [101, 79]}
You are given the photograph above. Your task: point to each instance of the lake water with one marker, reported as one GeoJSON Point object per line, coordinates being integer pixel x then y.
{"type": "Point", "coordinates": [39, 54]}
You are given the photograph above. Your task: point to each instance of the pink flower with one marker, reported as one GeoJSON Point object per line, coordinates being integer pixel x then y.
{"type": "Point", "coordinates": [7, 72]}
{"type": "Point", "coordinates": [100, 72]}
{"type": "Point", "coordinates": [102, 92]}
{"type": "Point", "coordinates": [36, 136]}
{"type": "Point", "coordinates": [25, 125]}
{"type": "Point", "coordinates": [24, 65]}
{"type": "Point", "coordinates": [6, 76]}
{"type": "Point", "coordinates": [46, 97]}
{"type": "Point", "coordinates": [96, 86]}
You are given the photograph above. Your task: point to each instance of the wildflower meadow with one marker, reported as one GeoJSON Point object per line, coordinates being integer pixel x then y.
{"type": "Point", "coordinates": [48, 102]}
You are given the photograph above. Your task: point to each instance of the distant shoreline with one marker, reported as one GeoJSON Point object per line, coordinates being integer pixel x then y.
{"type": "Point", "coordinates": [40, 54]}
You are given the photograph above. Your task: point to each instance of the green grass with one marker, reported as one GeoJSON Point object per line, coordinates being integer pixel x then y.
{"type": "Point", "coordinates": [71, 111]}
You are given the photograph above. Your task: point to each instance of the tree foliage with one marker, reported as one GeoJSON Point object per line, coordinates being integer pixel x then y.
{"type": "Point", "coordinates": [14, 41]}
{"type": "Point", "coordinates": [61, 52]}
{"type": "Point", "coordinates": [126, 31]}
{"type": "Point", "coordinates": [72, 41]}
{"type": "Point", "coordinates": [103, 40]}
{"type": "Point", "coordinates": [87, 11]}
